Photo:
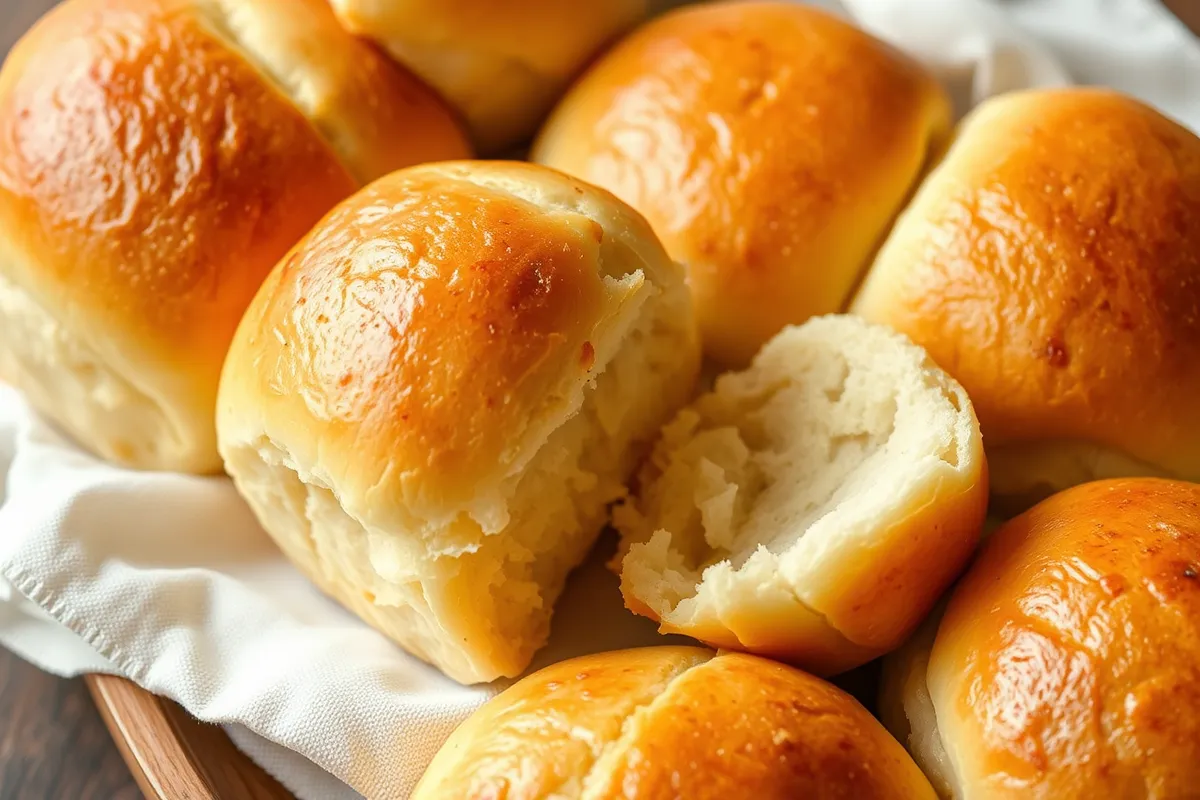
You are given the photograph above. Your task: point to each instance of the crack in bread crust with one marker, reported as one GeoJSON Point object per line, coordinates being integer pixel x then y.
{"type": "Point", "coordinates": [218, 19]}
{"type": "Point", "coordinates": [594, 783]}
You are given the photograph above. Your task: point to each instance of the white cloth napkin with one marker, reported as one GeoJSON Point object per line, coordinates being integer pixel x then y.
{"type": "Point", "coordinates": [167, 579]}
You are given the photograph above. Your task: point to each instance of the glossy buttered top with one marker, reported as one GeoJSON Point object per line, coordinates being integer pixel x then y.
{"type": "Point", "coordinates": [1068, 661]}
{"type": "Point", "coordinates": [1051, 264]}
{"type": "Point", "coordinates": [430, 332]}
{"type": "Point", "coordinates": [769, 145]}
{"type": "Point", "coordinates": [663, 722]}
{"type": "Point", "coordinates": [150, 176]}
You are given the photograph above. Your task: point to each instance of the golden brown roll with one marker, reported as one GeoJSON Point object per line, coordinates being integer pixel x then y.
{"type": "Point", "coordinates": [665, 722]}
{"type": "Point", "coordinates": [768, 144]}
{"type": "Point", "coordinates": [1051, 264]}
{"type": "Point", "coordinates": [812, 507]}
{"type": "Point", "coordinates": [157, 157]}
{"type": "Point", "coordinates": [501, 64]}
{"type": "Point", "coordinates": [436, 394]}
{"type": "Point", "coordinates": [1067, 664]}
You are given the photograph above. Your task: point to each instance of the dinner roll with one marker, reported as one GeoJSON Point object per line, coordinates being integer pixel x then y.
{"type": "Point", "coordinates": [436, 394]}
{"type": "Point", "coordinates": [157, 157]}
{"type": "Point", "coordinates": [1067, 664]}
{"type": "Point", "coordinates": [672, 722]}
{"type": "Point", "coordinates": [768, 144]}
{"type": "Point", "coordinates": [813, 507]}
{"type": "Point", "coordinates": [502, 65]}
{"type": "Point", "coordinates": [1051, 264]}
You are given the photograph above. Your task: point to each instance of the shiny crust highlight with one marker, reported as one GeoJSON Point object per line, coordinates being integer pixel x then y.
{"type": "Point", "coordinates": [1068, 660]}
{"type": "Point", "coordinates": [152, 172]}
{"type": "Point", "coordinates": [768, 144]}
{"type": "Point", "coordinates": [1052, 265]}
{"type": "Point", "coordinates": [672, 722]}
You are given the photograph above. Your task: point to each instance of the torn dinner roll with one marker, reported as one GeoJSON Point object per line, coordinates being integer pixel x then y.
{"type": "Point", "coordinates": [812, 507]}
{"type": "Point", "coordinates": [437, 393]}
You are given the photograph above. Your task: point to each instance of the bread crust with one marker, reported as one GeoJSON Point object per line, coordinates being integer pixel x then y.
{"type": "Point", "coordinates": [672, 722]}
{"type": "Point", "coordinates": [435, 395]}
{"type": "Point", "coordinates": [769, 144]}
{"type": "Point", "coordinates": [1068, 659]}
{"type": "Point", "coordinates": [502, 65]}
{"type": "Point", "coordinates": [1051, 264]}
{"type": "Point", "coordinates": [426, 329]}
{"type": "Point", "coordinates": [150, 176]}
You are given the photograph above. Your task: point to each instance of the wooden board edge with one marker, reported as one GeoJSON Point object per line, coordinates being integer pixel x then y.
{"type": "Point", "coordinates": [171, 754]}
{"type": "Point", "coordinates": [1188, 12]}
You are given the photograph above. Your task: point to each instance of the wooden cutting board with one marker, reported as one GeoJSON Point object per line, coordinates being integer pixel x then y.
{"type": "Point", "coordinates": [1188, 11]}
{"type": "Point", "coordinates": [172, 755]}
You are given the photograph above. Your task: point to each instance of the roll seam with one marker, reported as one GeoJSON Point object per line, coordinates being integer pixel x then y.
{"type": "Point", "coordinates": [592, 784]}
{"type": "Point", "coordinates": [216, 19]}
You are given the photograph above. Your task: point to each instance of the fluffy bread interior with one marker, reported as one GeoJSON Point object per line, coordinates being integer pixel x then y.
{"type": "Point", "coordinates": [69, 380]}
{"type": "Point", "coordinates": [474, 599]}
{"type": "Point", "coordinates": [795, 481]}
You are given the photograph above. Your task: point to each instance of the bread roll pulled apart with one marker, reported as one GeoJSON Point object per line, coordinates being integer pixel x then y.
{"type": "Point", "coordinates": [812, 507]}
{"type": "Point", "coordinates": [672, 722]}
{"type": "Point", "coordinates": [436, 395]}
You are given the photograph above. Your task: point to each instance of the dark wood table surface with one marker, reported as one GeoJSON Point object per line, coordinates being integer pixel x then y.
{"type": "Point", "coordinates": [53, 744]}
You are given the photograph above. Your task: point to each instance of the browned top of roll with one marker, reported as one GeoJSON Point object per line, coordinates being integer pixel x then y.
{"type": "Point", "coordinates": [769, 144]}
{"type": "Point", "coordinates": [1068, 661]}
{"type": "Point", "coordinates": [158, 156]}
{"type": "Point", "coordinates": [149, 174]}
{"type": "Point", "coordinates": [1052, 265]}
{"type": "Point", "coordinates": [673, 722]}
{"type": "Point", "coordinates": [424, 340]}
